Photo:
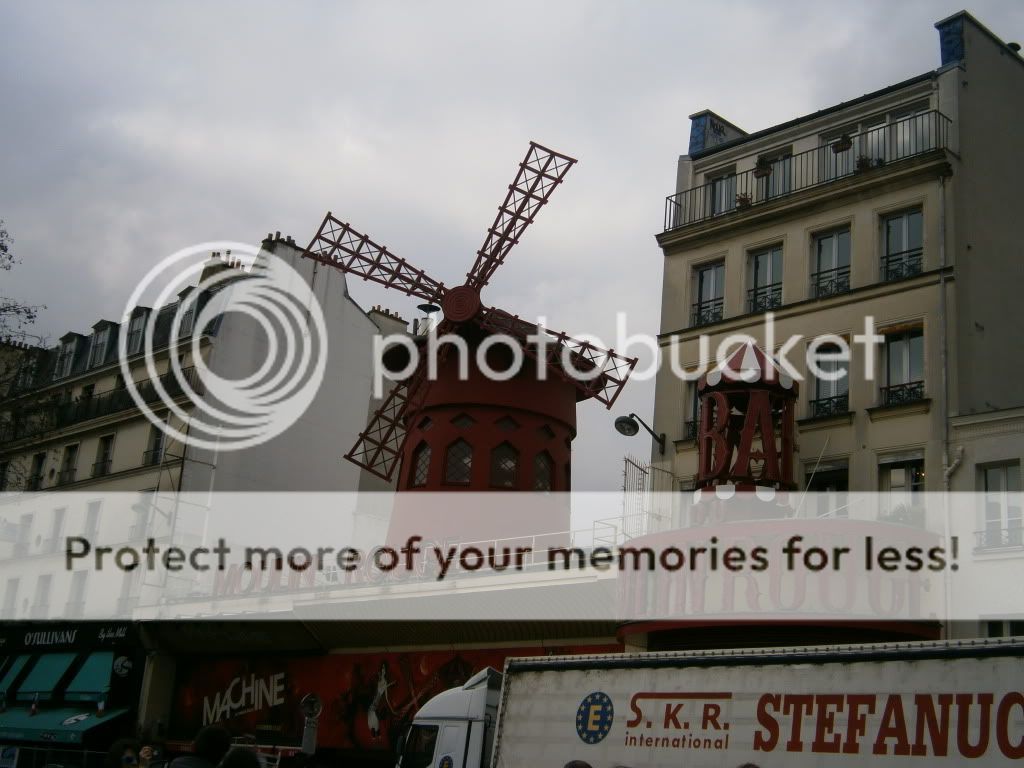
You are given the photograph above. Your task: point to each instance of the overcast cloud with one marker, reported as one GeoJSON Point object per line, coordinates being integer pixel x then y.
{"type": "Point", "coordinates": [131, 130]}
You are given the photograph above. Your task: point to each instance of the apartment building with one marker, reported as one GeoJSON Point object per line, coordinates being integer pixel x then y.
{"type": "Point", "coordinates": [70, 428]}
{"type": "Point", "coordinates": [898, 205]}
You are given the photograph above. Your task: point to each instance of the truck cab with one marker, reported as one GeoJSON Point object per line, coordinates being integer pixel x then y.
{"type": "Point", "coordinates": [455, 729]}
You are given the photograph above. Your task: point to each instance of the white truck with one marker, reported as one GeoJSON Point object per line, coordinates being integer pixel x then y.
{"type": "Point", "coordinates": [901, 704]}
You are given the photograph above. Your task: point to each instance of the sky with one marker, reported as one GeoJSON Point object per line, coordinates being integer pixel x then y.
{"type": "Point", "coordinates": [132, 130]}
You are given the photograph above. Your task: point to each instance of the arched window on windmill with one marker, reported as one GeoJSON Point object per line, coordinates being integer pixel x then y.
{"type": "Point", "coordinates": [504, 466]}
{"type": "Point", "coordinates": [458, 463]}
{"type": "Point", "coordinates": [420, 465]}
{"type": "Point", "coordinates": [543, 472]}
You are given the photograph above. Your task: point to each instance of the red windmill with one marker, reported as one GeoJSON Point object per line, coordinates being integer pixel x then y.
{"type": "Point", "coordinates": [524, 424]}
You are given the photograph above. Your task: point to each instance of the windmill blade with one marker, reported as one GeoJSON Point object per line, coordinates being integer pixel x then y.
{"type": "Point", "coordinates": [338, 245]}
{"type": "Point", "coordinates": [379, 447]}
{"type": "Point", "coordinates": [603, 372]}
{"type": "Point", "coordinates": [540, 172]}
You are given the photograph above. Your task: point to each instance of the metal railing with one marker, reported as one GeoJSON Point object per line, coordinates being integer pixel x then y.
{"type": "Point", "coordinates": [823, 407]}
{"type": "Point", "coordinates": [34, 482]}
{"type": "Point", "coordinates": [43, 417]}
{"type": "Point", "coordinates": [866, 152]}
{"type": "Point", "coordinates": [690, 430]}
{"type": "Point", "coordinates": [901, 265]}
{"type": "Point", "coordinates": [999, 538]}
{"type": "Point", "coordinates": [66, 475]}
{"type": "Point", "coordinates": [707, 312]}
{"type": "Point", "coordinates": [764, 298]}
{"type": "Point", "coordinates": [152, 457]}
{"type": "Point", "coordinates": [829, 282]}
{"type": "Point", "coordinates": [101, 468]}
{"type": "Point", "coordinates": [901, 394]}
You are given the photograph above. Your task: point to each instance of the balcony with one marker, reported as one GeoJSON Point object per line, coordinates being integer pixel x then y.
{"type": "Point", "coordinates": [707, 312]}
{"type": "Point", "coordinates": [865, 153]}
{"type": "Point", "coordinates": [67, 475]}
{"type": "Point", "coordinates": [827, 407]}
{"type": "Point", "coordinates": [900, 266]}
{"type": "Point", "coordinates": [999, 538]}
{"type": "Point", "coordinates": [101, 468]}
{"type": "Point", "coordinates": [830, 282]}
{"type": "Point", "coordinates": [764, 298]}
{"type": "Point", "coordinates": [903, 394]}
{"type": "Point", "coordinates": [690, 430]}
{"type": "Point", "coordinates": [34, 482]}
{"type": "Point", "coordinates": [44, 417]}
{"type": "Point", "coordinates": [152, 457]}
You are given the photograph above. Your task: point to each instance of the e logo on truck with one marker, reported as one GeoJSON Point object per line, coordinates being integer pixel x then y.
{"type": "Point", "coordinates": [594, 717]}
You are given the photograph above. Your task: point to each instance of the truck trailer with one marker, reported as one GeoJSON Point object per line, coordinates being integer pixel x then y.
{"type": "Point", "coordinates": [895, 704]}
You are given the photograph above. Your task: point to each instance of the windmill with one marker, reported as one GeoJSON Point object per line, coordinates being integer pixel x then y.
{"type": "Point", "coordinates": [382, 445]}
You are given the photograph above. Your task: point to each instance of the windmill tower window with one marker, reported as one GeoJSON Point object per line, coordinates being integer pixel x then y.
{"type": "Point", "coordinates": [463, 421]}
{"type": "Point", "coordinates": [458, 465]}
{"type": "Point", "coordinates": [420, 465]}
{"type": "Point", "coordinates": [543, 471]}
{"type": "Point", "coordinates": [504, 466]}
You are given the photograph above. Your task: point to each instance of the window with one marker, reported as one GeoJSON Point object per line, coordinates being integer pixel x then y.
{"type": "Point", "coordinates": [838, 155]}
{"type": "Point", "coordinates": [1001, 485]}
{"type": "Point", "coordinates": [155, 452]}
{"type": "Point", "coordinates": [35, 476]}
{"type": "Point", "coordinates": [458, 464]}
{"type": "Point", "coordinates": [831, 391]}
{"type": "Point", "coordinates": [543, 472]}
{"type": "Point", "coordinates": [871, 142]}
{"type": "Point", "coordinates": [41, 605]}
{"type": "Point", "coordinates": [76, 595]}
{"type": "Point", "coordinates": [765, 280]}
{"type": "Point", "coordinates": [779, 179]}
{"type": "Point", "coordinates": [186, 321]}
{"type": "Point", "coordinates": [722, 190]}
{"type": "Point", "coordinates": [904, 367]}
{"type": "Point", "coordinates": [692, 418]}
{"type": "Point", "coordinates": [104, 456]}
{"type": "Point", "coordinates": [831, 273]}
{"type": "Point", "coordinates": [420, 465]}
{"type": "Point", "coordinates": [901, 482]}
{"type": "Point", "coordinates": [92, 520]}
{"type": "Point", "coordinates": [903, 245]}
{"type": "Point", "coordinates": [11, 598]}
{"type": "Point", "coordinates": [829, 481]}
{"type": "Point", "coordinates": [709, 280]}
{"type": "Point", "coordinates": [68, 464]}
{"type": "Point", "coordinates": [1003, 628]}
{"type": "Point", "coordinates": [911, 133]}
{"type": "Point", "coordinates": [135, 329]}
{"type": "Point", "coordinates": [98, 350]}
{"type": "Point", "coordinates": [65, 357]}
{"type": "Point", "coordinates": [504, 466]}
{"type": "Point", "coordinates": [4, 469]}
{"type": "Point", "coordinates": [418, 749]}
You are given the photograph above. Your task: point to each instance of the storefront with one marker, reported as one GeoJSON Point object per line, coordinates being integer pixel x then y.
{"type": "Point", "coordinates": [67, 691]}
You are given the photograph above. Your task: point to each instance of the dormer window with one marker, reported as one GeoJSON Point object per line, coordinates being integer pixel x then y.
{"type": "Point", "coordinates": [65, 358]}
{"type": "Point", "coordinates": [98, 350]}
{"type": "Point", "coordinates": [136, 327]}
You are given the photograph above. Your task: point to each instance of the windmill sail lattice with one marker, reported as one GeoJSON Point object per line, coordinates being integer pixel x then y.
{"type": "Point", "coordinates": [595, 372]}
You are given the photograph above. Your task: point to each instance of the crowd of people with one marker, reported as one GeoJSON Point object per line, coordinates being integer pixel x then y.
{"type": "Point", "coordinates": [212, 749]}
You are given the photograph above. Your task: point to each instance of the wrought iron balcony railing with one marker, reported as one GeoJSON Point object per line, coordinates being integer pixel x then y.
{"type": "Point", "coordinates": [824, 407]}
{"type": "Point", "coordinates": [866, 152]}
{"type": "Point", "coordinates": [899, 266]}
{"type": "Point", "coordinates": [34, 482]}
{"type": "Point", "coordinates": [42, 417]}
{"type": "Point", "coordinates": [707, 312]}
{"type": "Point", "coordinates": [152, 457]}
{"type": "Point", "coordinates": [690, 430]}
{"type": "Point", "coordinates": [764, 298]}
{"type": "Point", "coordinates": [902, 394]}
{"type": "Point", "coordinates": [66, 475]}
{"type": "Point", "coordinates": [829, 282]}
{"type": "Point", "coordinates": [999, 538]}
{"type": "Point", "coordinates": [101, 468]}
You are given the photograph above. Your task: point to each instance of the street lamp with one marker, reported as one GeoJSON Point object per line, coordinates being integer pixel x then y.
{"type": "Point", "coordinates": [630, 425]}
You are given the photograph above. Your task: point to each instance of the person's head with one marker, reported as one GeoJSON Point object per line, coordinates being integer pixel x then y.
{"type": "Point", "coordinates": [124, 753]}
{"type": "Point", "coordinates": [241, 757]}
{"type": "Point", "coordinates": [212, 743]}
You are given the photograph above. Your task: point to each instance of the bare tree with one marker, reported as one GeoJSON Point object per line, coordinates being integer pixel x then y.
{"type": "Point", "coordinates": [15, 316]}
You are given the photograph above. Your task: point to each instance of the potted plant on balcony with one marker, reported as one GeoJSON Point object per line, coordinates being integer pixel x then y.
{"type": "Point", "coordinates": [763, 168]}
{"type": "Point", "coordinates": [864, 163]}
{"type": "Point", "coordinates": [743, 200]}
{"type": "Point", "coordinates": [842, 144]}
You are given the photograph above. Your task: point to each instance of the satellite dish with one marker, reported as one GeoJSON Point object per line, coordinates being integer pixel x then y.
{"type": "Point", "coordinates": [626, 425]}
{"type": "Point", "coordinates": [428, 309]}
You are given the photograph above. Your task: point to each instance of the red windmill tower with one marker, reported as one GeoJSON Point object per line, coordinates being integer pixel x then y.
{"type": "Point", "coordinates": [476, 433]}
